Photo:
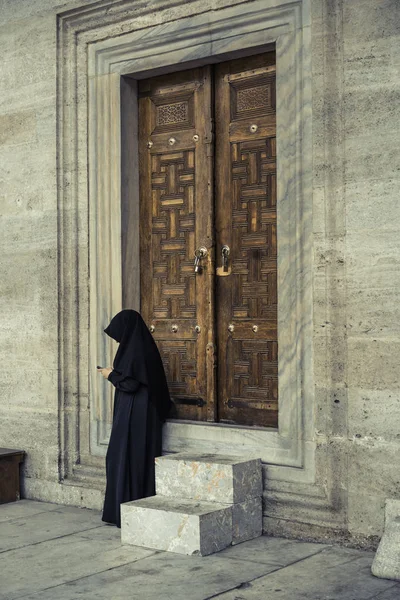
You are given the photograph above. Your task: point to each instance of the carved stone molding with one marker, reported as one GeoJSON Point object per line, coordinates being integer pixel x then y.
{"type": "Point", "coordinates": [103, 48]}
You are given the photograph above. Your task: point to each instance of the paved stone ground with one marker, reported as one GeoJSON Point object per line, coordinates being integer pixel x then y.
{"type": "Point", "coordinates": [52, 552]}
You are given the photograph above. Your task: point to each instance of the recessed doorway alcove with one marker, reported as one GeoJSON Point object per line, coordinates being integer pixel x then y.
{"type": "Point", "coordinates": [100, 63]}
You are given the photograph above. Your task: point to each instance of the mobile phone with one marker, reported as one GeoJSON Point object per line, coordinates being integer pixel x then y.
{"type": "Point", "coordinates": [100, 367]}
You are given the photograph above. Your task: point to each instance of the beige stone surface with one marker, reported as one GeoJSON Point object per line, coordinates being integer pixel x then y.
{"type": "Point", "coordinates": [372, 363]}
{"type": "Point", "coordinates": [367, 414]}
{"type": "Point", "coordinates": [373, 461]}
{"type": "Point", "coordinates": [17, 128]}
{"type": "Point", "coordinates": [365, 514]}
{"type": "Point", "coordinates": [372, 259]}
{"type": "Point", "coordinates": [352, 265]}
{"type": "Point", "coordinates": [28, 241]}
{"type": "Point", "coordinates": [374, 312]}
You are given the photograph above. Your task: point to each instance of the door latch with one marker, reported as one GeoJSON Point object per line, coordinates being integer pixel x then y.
{"type": "Point", "coordinates": [225, 269]}
{"type": "Point", "coordinates": [198, 255]}
{"type": "Point", "coordinates": [225, 254]}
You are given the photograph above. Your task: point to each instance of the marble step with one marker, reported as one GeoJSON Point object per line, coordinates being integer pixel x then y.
{"type": "Point", "coordinates": [189, 526]}
{"type": "Point", "coordinates": [182, 526]}
{"type": "Point", "coordinates": [210, 477]}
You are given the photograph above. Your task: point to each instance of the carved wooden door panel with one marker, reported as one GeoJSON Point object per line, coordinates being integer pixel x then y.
{"type": "Point", "coordinates": [194, 316]}
{"type": "Point", "coordinates": [176, 219]}
{"type": "Point", "coordinates": [246, 292]}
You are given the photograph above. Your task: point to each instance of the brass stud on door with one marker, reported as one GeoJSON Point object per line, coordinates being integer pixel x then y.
{"type": "Point", "coordinates": [174, 328]}
{"type": "Point", "coordinates": [255, 328]}
{"type": "Point", "coordinates": [197, 329]}
{"type": "Point", "coordinates": [152, 328]}
{"type": "Point", "coordinates": [196, 137]}
{"type": "Point", "coordinates": [150, 144]}
{"type": "Point", "coordinates": [253, 128]}
{"type": "Point", "coordinates": [231, 328]}
{"type": "Point", "coordinates": [171, 141]}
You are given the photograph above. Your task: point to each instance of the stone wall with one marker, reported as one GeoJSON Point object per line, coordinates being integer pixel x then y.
{"type": "Point", "coordinates": [30, 389]}
{"type": "Point", "coordinates": [356, 171]}
{"type": "Point", "coordinates": [28, 206]}
{"type": "Point", "coordinates": [356, 124]}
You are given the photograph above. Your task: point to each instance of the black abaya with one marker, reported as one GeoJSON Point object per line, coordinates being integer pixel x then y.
{"type": "Point", "coordinates": [136, 435]}
{"type": "Point", "coordinates": [135, 441]}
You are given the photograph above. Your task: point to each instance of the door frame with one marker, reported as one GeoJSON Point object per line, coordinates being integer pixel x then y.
{"type": "Point", "coordinates": [112, 67]}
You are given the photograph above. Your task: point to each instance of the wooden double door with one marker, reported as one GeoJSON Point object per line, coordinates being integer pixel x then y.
{"type": "Point", "coordinates": [208, 237]}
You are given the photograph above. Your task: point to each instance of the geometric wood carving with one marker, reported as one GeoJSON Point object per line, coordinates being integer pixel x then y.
{"type": "Point", "coordinates": [246, 221]}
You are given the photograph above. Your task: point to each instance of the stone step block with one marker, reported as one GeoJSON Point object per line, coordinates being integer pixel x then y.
{"type": "Point", "coordinates": [189, 526]}
{"type": "Point", "coordinates": [246, 520]}
{"type": "Point", "coordinates": [210, 477]}
{"type": "Point", "coordinates": [182, 526]}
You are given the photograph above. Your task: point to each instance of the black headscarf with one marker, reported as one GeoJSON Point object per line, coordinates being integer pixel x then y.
{"type": "Point", "coordinates": [138, 357]}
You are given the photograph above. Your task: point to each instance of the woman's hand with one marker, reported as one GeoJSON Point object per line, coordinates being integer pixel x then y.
{"type": "Point", "coordinates": [105, 372]}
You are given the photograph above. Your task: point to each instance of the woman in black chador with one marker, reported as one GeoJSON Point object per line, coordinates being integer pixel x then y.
{"type": "Point", "coordinates": [141, 405]}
